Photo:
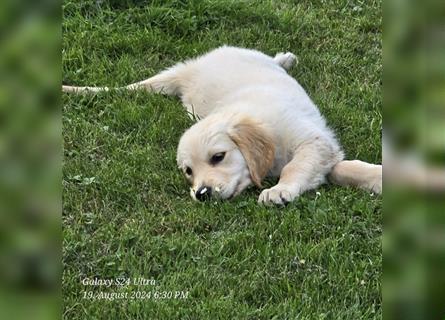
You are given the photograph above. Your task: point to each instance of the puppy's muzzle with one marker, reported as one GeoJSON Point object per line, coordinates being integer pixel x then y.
{"type": "Point", "coordinates": [203, 193]}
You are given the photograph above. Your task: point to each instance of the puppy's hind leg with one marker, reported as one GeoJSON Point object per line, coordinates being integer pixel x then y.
{"type": "Point", "coordinates": [286, 60]}
{"type": "Point", "coordinates": [358, 174]}
{"type": "Point", "coordinates": [168, 82]}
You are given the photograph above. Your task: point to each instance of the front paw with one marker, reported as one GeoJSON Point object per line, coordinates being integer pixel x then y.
{"type": "Point", "coordinates": [276, 195]}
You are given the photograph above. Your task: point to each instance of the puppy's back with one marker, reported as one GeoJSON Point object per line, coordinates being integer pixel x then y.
{"type": "Point", "coordinates": [216, 77]}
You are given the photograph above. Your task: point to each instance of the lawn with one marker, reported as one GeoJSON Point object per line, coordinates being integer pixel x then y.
{"type": "Point", "coordinates": [126, 208]}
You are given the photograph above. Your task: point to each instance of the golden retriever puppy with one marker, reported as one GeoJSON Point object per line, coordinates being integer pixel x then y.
{"type": "Point", "coordinates": [255, 121]}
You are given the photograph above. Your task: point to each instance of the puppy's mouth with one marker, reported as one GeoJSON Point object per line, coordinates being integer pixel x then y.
{"type": "Point", "coordinates": [220, 191]}
{"type": "Point", "coordinates": [221, 194]}
{"type": "Point", "coordinates": [240, 185]}
{"type": "Point", "coordinates": [237, 190]}
{"type": "Point", "coordinates": [232, 195]}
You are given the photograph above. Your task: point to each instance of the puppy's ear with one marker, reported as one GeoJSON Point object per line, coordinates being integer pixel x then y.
{"type": "Point", "coordinates": [256, 145]}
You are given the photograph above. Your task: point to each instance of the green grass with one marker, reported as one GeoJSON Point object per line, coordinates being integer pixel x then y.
{"type": "Point", "coordinates": [126, 207]}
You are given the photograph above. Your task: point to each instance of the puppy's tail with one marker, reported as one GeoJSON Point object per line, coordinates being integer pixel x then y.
{"type": "Point", "coordinates": [358, 174]}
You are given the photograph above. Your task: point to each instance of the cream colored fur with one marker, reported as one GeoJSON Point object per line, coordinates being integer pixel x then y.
{"type": "Point", "coordinates": [261, 119]}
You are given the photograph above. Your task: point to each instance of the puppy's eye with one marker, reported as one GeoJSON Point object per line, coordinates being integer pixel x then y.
{"type": "Point", "coordinates": [217, 157]}
{"type": "Point", "coordinates": [188, 171]}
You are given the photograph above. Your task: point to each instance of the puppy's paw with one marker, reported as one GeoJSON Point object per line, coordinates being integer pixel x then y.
{"type": "Point", "coordinates": [276, 195]}
{"type": "Point", "coordinates": [286, 60]}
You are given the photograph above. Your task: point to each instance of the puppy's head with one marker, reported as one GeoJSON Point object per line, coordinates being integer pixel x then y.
{"type": "Point", "coordinates": [223, 154]}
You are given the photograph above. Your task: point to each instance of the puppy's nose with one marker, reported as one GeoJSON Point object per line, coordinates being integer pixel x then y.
{"type": "Point", "coordinates": [203, 193]}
